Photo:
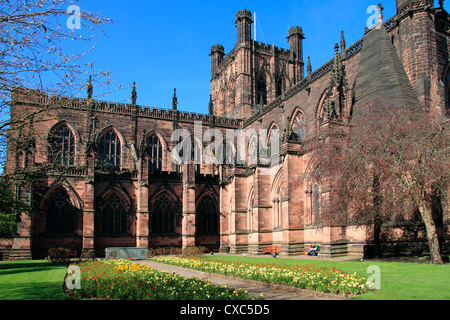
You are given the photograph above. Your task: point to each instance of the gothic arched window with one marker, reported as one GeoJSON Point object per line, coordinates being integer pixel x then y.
{"type": "Point", "coordinates": [155, 154]}
{"type": "Point", "coordinates": [281, 86]}
{"type": "Point", "coordinates": [207, 216]}
{"type": "Point", "coordinates": [61, 215]}
{"type": "Point", "coordinates": [253, 152]}
{"type": "Point", "coordinates": [197, 152]}
{"type": "Point", "coordinates": [62, 146]}
{"type": "Point", "coordinates": [274, 141]}
{"type": "Point", "coordinates": [322, 109]}
{"type": "Point", "coordinates": [164, 216]}
{"type": "Point", "coordinates": [114, 214]}
{"type": "Point", "coordinates": [109, 150]}
{"type": "Point", "coordinates": [261, 89]}
{"type": "Point", "coordinates": [225, 153]}
{"type": "Point", "coordinates": [299, 126]}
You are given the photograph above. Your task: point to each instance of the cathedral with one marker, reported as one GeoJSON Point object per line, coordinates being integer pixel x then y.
{"type": "Point", "coordinates": [119, 176]}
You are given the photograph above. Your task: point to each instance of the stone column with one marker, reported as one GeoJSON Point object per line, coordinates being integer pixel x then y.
{"type": "Point", "coordinates": [293, 199]}
{"type": "Point", "coordinates": [238, 221]}
{"type": "Point", "coordinates": [188, 223]}
{"type": "Point", "coordinates": [142, 214]}
{"type": "Point", "coordinates": [225, 210]}
{"type": "Point", "coordinates": [88, 250]}
{"type": "Point", "coordinates": [262, 210]}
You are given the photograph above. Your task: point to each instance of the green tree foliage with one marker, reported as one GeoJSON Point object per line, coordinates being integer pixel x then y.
{"type": "Point", "coordinates": [10, 209]}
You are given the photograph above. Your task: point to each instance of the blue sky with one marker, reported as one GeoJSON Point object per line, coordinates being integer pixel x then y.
{"type": "Point", "coordinates": [162, 45]}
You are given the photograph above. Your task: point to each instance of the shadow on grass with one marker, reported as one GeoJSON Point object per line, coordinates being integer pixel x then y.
{"type": "Point", "coordinates": [32, 280]}
{"type": "Point", "coordinates": [34, 291]}
{"type": "Point", "coordinates": [9, 268]}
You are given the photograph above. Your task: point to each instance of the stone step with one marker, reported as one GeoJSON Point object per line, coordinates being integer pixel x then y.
{"type": "Point", "coordinates": [20, 254]}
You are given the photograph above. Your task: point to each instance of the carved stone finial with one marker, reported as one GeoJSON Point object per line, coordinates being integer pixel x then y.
{"type": "Point", "coordinates": [309, 68]}
{"type": "Point", "coordinates": [380, 11]}
{"type": "Point", "coordinates": [90, 88]}
{"type": "Point", "coordinates": [211, 105]}
{"type": "Point", "coordinates": [134, 94]}
{"type": "Point", "coordinates": [343, 45]}
{"type": "Point", "coordinates": [174, 100]}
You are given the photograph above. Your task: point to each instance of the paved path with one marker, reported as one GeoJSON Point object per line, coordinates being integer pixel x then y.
{"type": "Point", "coordinates": [254, 288]}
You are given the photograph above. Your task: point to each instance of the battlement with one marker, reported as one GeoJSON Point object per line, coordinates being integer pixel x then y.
{"type": "Point", "coordinates": [261, 47]}
{"type": "Point", "coordinates": [270, 49]}
{"type": "Point", "coordinates": [244, 14]}
{"type": "Point", "coordinates": [296, 31]}
{"type": "Point", "coordinates": [38, 99]}
{"type": "Point", "coordinates": [217, 48]}
{"type": "Point", "coordinates": [406, 6]}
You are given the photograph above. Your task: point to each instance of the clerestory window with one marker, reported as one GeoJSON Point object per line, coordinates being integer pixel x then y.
{"type": "Point", "coordinates": [109, 150]}
{"type": "Point", "coordinates": [62, 146]}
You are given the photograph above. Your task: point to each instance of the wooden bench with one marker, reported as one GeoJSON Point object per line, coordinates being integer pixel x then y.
{"type": "Point", "coordinates": [272, 250]}
{"type": "Point", "coordinates": [214, 250]}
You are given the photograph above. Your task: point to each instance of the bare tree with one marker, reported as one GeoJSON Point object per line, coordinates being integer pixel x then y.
{"type": "Point", "coordinates": [44, 48]}
{"type": "Point", "coordinates": [389, 161]}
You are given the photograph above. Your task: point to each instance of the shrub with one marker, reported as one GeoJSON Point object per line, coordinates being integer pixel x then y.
{"type": "Point", "coordinates": [164, 251]}
{"type": "Point", "coordinates": [60, 254]}
{"type": "Point", "coordinates": [193, 251]}
{"type": "Point", "coordinates": [175, 251]}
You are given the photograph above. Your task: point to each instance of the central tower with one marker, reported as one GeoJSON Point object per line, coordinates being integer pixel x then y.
{"type": "Point", "coordinates": [253, 74]}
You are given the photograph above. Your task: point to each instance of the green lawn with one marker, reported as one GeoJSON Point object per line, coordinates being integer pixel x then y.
{"type": "Point", "coordinates": [399, 280]}
{"type": "Point", "coordinates": [39, 280]}
{"type": "Point", "coordinates": [32, 280]}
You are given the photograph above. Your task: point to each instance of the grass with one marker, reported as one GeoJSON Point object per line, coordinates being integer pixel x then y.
{"type": "Point", "coordinates": [32, 280]}
{"type": "Point", "coordinates": [399, 280]}
{"type": "Point", "coordinates": [39, 280]}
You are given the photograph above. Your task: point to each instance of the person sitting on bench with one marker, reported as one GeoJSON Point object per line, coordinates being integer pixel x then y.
{"type": "Point", "coordinates": [313, 250]}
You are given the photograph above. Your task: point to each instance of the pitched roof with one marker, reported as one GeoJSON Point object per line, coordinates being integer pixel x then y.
{"type": "Point", "coordinates": [381, 77]}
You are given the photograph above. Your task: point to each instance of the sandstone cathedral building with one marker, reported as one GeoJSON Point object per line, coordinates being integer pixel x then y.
{"type": "Point", "coordinates": [116, 183]}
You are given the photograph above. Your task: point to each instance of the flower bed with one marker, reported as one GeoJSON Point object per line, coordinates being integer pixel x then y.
{"type": "Point", "coordinates": [124, 280]}
{"type": "Point", "coordinates": [327, 280]}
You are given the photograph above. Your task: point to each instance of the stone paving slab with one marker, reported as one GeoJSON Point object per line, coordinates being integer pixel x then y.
{"type": "Point", "coordinates": [254, 288]}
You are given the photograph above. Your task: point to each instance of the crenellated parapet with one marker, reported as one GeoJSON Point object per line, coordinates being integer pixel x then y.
{"type": "Point", "coordinates": [405, 7]}
{"type": "Point", "coordinates": [271, 49]}
{"type": "Point", "coordinates": [35, 98]}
